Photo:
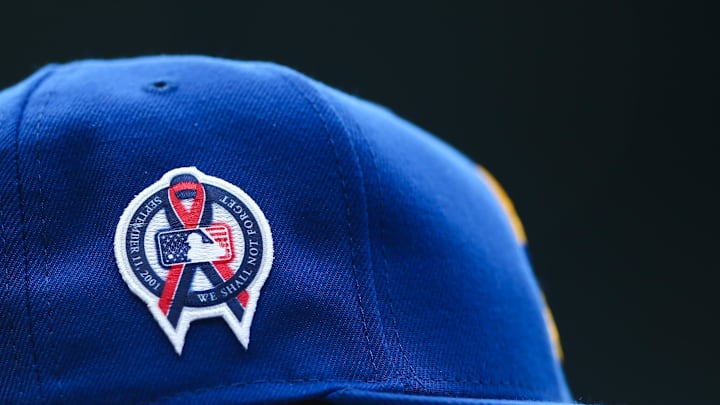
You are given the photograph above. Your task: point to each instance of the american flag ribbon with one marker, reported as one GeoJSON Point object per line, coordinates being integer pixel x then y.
{"type": "Point", "coordinates": [179, 278]}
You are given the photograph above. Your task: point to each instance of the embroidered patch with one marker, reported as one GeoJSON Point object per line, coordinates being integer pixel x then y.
{"type": "Point", "coordinates": [193, 246]}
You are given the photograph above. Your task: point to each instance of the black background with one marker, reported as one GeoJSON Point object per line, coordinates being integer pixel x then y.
{"type": "Point", "coordinates": [599, 119]}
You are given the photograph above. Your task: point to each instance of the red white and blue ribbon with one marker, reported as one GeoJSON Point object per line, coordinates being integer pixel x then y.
{"type": "Point", "coordinates": [179, 278]}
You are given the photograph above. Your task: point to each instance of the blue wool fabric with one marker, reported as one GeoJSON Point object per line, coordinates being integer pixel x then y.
{"type": "Point", "coordinates": [396, 275]}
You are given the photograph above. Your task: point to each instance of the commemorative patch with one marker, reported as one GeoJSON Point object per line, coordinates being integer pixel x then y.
{"type": "Point", "coordinates": [194, 246]}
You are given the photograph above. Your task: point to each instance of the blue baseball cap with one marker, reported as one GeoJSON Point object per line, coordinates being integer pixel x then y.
{"type": "Point", "coordinates": [184, 229]}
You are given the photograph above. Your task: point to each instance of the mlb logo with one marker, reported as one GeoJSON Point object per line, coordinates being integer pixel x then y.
{"type": "Point", "coordinates": [192, 246]}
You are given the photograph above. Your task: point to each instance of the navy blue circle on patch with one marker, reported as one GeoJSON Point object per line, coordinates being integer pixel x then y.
{"type": "Point", "coordinates": [220, 292]}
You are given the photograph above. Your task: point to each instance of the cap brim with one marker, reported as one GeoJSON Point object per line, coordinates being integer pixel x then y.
{"type": "Point", "coordinates": [352, 396]}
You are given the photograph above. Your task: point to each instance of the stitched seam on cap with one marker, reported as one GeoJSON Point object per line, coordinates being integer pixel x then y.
{"type": "Point", "coordinates": [24, 233]}
{"type": "Point", "coordinates": [385, 272]}
{"type": "Point", "coordinates": [356, 160]}
{"type": "Point", "coordinates": [43, 242]}
{"type": "Point", "coordinates": [397, 370]}
{"type": "Point", "coordinates": [363, 316]}
{"type": "Point", "coordinates": [529, 392]}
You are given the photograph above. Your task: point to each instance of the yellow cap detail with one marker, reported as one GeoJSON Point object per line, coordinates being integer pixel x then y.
{"type": "Point", "coordinates": [553, 331]}
{"type": "Point", "coordinates": [507, 205]}
{"type": "Point", "coordinates": [521, 238]}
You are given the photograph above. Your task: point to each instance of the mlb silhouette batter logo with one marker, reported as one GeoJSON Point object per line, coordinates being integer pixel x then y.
{"type": "Point", "coordinates": [194, 246]}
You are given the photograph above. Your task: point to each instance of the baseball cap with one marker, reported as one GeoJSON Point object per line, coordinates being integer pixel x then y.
{"type": "Point", "coordinates": [191, 229]}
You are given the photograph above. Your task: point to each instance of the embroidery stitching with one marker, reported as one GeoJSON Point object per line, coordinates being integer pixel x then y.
{"type": "Point", "coordinates": [193, 246]}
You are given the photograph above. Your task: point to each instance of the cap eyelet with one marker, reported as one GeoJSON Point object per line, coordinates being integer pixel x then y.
{"type": "Point", "coordinates": [160, 86]}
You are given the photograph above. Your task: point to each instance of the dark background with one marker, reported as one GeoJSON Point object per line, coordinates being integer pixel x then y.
{"type": "Point", "coordinates": [600, 121]}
